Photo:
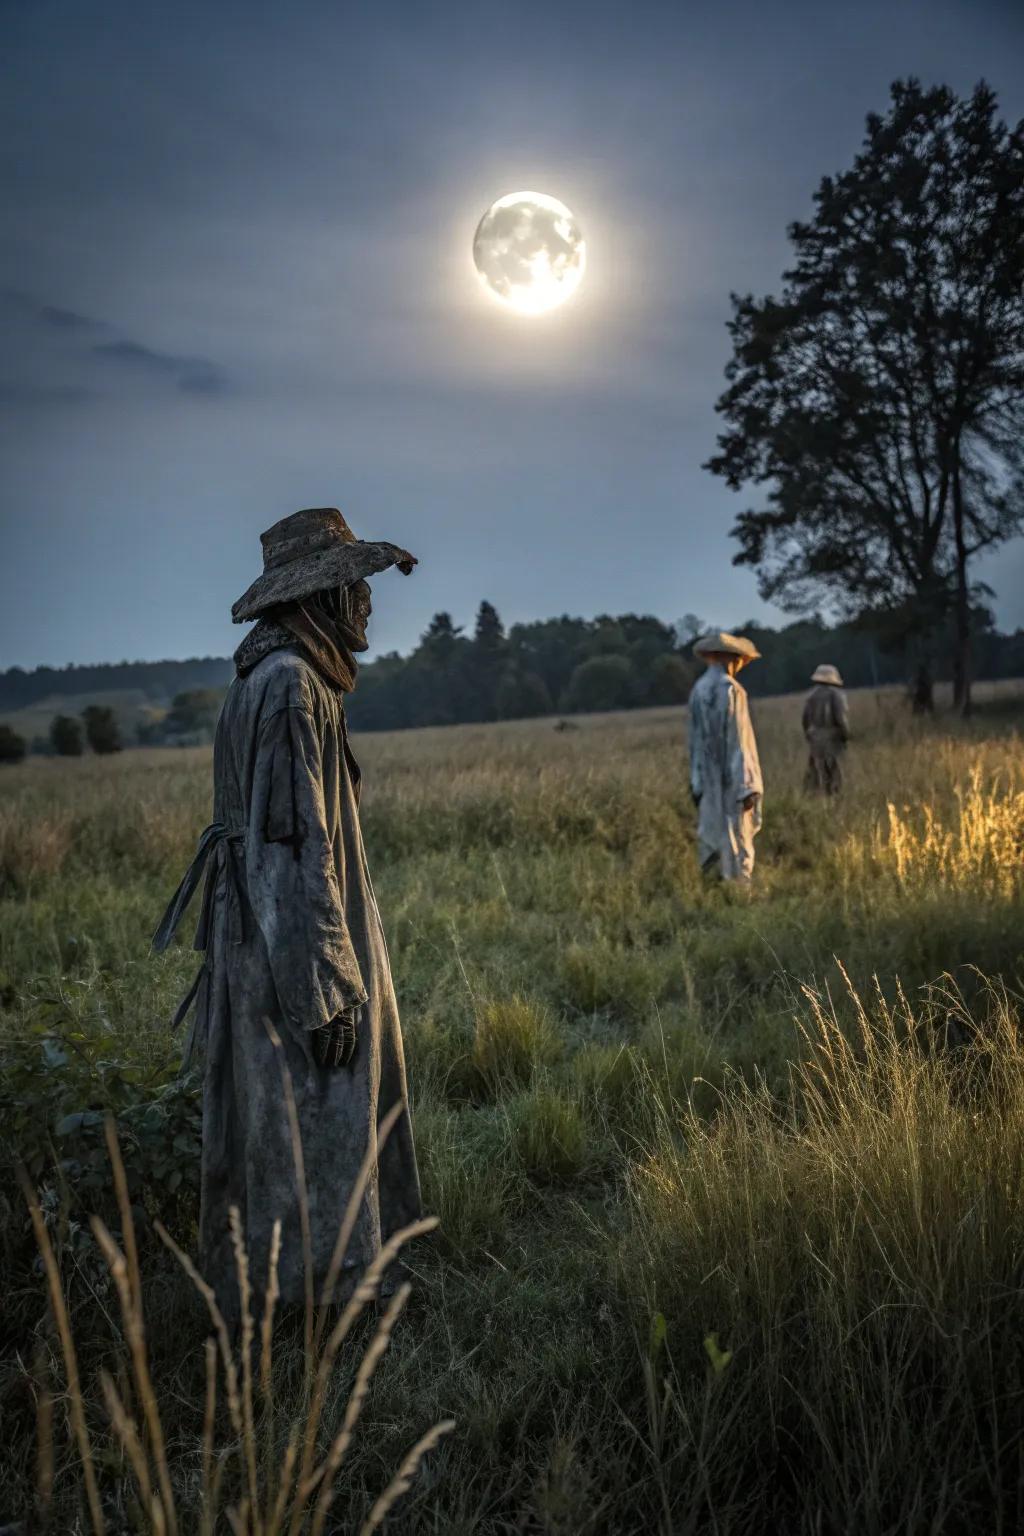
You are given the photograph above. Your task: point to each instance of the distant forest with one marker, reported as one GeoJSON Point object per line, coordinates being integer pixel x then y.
{"type": "Point", "coordinates": [158, 680]}
{"type": "Point", "coordinates": [555, 666]}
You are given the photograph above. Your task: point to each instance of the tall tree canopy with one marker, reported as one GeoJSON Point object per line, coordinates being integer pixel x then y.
{"type": "Point", "coordinates": [101, 729]}
{"type": "Point", "coordinates": [881, 398]}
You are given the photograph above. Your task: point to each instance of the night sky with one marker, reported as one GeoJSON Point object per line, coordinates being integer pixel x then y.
{"type": "Point", "coordinates": [236, 280]}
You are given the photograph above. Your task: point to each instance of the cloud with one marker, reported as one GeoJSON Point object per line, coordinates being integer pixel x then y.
{"type": "Point", "coordinates": [67, 319]}
{"type": "Point", "coordinates": [192, 375]}
{"type": "Point", "coordinates": [57, 356]}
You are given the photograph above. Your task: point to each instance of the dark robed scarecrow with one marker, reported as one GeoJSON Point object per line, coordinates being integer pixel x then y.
{"type": "Point", "coordinates": [291, 931]}
{"type": "Point", "coordinates": [826, 722]}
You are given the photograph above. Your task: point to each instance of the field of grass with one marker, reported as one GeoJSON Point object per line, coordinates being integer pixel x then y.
{"type": "Point", "coordinates": [731, 1192]}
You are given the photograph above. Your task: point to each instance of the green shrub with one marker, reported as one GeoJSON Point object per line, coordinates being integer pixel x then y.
{"type": "Point", "coordinates": [101, 729]}
{"type": "Point", "coordinates": [66, 736]}
{"type": "Point", "coordinates": [608, 1077]}
{"type": "Point", "coordinates": [55, 1094]}
{"type": "Point", "coordinates": [468, 1180]}
{"type": "Point", "coordinates": [513, 1038]}
{"type": "Point", "coordinates": [548, 1134]}
{"type": "Point", "coordinates": [599, 977]}
{"type": "Point", "coordinates": [12, 746]}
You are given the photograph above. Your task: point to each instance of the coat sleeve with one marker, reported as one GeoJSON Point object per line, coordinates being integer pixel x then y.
{"type": "Point", "coordinates": [696, 745]}
{"type": "Point", "coordinates": [841, 714]}
{"type": "Point", "coordinates": [292, 879]}
{"type": "Point", "coordinates": [741, 749]}
{"type": "Point", "coordinates": [807, 717]}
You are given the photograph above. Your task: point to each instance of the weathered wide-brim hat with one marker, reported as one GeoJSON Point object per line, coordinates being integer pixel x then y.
{"type": "Point", "coordinates": [308, 552]}
{"type": "Point", "coordinates": [720, 642]}
{"type": "Point", "coordinates": [827, 674]}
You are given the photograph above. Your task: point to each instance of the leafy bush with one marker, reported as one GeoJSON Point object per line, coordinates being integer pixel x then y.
{"type": "Point", "coordinates": [101, 729]}
{"type": "Point", "coordinates": [513, 1038]}
{"type": "Point", "coordinates": [548, 1134]}
{"type": "Point", "coordinates": [66, 736]}
{"type": "Point", "coordinates": [54, 1096]}
{"type": "Point", "coordinates": [601, 682]}
{"type": "Point", "coordinates": [12, 746]}
{"type": "Point", "coordinates": [604, 976]}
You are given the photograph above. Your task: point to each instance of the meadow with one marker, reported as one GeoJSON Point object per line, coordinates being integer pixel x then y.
{"type": "Point", "coordinates": [730, 1191]}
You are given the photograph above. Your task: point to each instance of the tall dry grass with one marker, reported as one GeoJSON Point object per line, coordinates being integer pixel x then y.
{"type": "Point", "coordinates": [976, 845]}
{"type": "Point", "coordinates": [852, 1259]}
{"type": "Point", "coordinates": [282, 1466]}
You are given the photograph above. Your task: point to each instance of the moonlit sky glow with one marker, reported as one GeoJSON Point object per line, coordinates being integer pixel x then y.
{"type": "Point", "coordinates": [529, 252]}
{"type": "Point", "coordinates": [236, 279]}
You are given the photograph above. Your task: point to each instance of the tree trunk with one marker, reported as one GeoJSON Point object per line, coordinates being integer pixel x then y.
{"type": "Point", "coordinates": [962, 659]}
{"type": "Point", "coordinates": [922, 690]}
{"type": "Point", "coordinates": [962, 653]}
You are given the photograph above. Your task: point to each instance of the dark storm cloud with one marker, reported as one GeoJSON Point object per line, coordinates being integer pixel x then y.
{"type": "Point", "coordinates": [287, 196]}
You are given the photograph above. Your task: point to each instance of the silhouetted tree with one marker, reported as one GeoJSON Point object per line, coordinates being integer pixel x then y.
{"type": "Point", "coordinates": [486, 661]}
{"type": "Point", "coordinates": [690, 628]}
{"type": "Point", "coordinates": [438, 666]}
{"type": "Point", "coordinates": [522, 695]}
{"type": "Point", "coordinates": [66, 736]}
{"type": "Point", "coordinates": [603, 682]}
{"type": "Point", "coordinates": [193, 713]}
{"type": "Point", "coordinates": [670, 679]}
{"type": "Point", "coordinates": [12, 746]}
{"type": "Point", "coordinates": [882, 398]}
{"type": "Point", "coordinates": [101, 729]}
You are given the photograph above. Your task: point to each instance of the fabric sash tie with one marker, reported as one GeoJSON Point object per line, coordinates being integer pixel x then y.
{"type": "Point", "coordinates": [225, 845]}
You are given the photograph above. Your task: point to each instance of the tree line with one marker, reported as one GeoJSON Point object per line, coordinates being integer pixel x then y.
{"type": "Point", "coordinates": [568, 666]}
{"type": "Point", "coordinates": [559, 666]}
{"type": "Point", "coordinates": [158, 680]}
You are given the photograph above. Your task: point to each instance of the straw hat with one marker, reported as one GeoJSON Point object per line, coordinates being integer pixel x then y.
{"type": "Point", "coordinates": [311, 550]}
{"type": "Point", "coordinates": [720, 641]}
{"type": "Point", "coordinates": [827, 674]}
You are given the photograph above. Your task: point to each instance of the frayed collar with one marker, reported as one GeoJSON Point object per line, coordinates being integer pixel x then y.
{"type": "Point", "coordinates": [264, 637]}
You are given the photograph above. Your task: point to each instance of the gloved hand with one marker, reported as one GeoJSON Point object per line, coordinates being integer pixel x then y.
{"type": "Point", "coordinates": [334, 1044]}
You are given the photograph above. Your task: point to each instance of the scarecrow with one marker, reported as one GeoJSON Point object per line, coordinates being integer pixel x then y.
{"type": "Point", "coordinates": [291, 932]}
{"type": "Point", "coordinates": [725, 774]}
{"type": "Point", "coordinates": [827, 729]}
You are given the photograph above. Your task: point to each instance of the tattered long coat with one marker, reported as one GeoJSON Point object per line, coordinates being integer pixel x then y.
{"type": "Point", "coordinates": [724, 772]}
{"type": "Point", "coordinates": [292, 936]}
{"type": "Point", "coordinates": [826, 723]}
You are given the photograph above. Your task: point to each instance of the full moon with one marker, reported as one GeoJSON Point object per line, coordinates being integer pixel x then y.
{"type": "Point", "coordinates": [529, 252]}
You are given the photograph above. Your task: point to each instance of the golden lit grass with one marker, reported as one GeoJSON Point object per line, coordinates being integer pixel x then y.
{"type": "Point", "coordinates": [976, 845]}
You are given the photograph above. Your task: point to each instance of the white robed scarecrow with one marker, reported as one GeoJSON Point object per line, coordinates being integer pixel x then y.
{"type": "Point", "coordinates": [725, 774]}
